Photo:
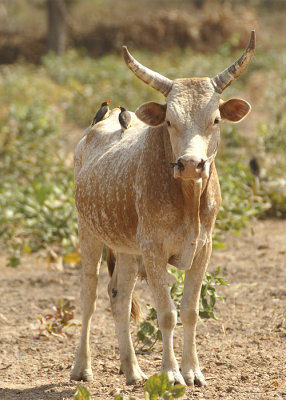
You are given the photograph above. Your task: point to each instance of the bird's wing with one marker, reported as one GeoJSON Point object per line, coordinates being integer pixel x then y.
{"type": "Point", "coordinates": [125, 119]}
{"type": "Point", "coordinates": [100, 114]}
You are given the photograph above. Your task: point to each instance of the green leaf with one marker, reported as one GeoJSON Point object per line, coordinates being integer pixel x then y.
{"type": "Point", "coordinates": [221, 281]}
{"type": "Point", "coordinates": [147, 341]}
{"type": "Point", "coordinates": [157, 385]}
{"type": "Point", "coordinates": [13, 261]}
{"type": "Point", "coordinates": [204, 303]}
{"type": "Point", "coordinates": [219, 245]}
{"type": "Point", "coordinates": [152, 313]}
{"type": "Point", "coordinates": [205, 315]}
{"type": "Point", "coordinates": [178, 391]}
{"type": "Point", "coordinates": [141, 335]}
{"type": "Point", "coordinates": [82, 394]}
{"type": "Point", "coordinates": [212, 301]}
{"type": "Point", "coordinates": [159, 335]}
{"type": "Point", "coordinates": [203, 290]}
{"type": "Point", "coordinates": [217, 271]}
{"type": "Point", "coordinates": [147, 328]}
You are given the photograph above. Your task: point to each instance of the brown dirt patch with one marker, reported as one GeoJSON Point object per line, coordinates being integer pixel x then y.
{"type": "Point", "coordinates": [242, 355]}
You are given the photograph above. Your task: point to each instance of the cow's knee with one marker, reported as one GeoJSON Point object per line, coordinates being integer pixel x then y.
{"type": "Point", "coordinates": [167, 319]}
{"type": "Point", "coordinates": [189, 316]}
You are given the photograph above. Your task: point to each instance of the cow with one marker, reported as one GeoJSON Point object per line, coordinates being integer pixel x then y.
{"type": "Point", "coordinates": [152, 197]}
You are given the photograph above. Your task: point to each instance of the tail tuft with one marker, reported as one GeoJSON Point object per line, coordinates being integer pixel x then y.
{"type": "Point", "coordinates": [136, 313]}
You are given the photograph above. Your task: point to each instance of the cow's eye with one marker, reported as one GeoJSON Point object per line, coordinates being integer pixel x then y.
{"type": "Point", "coordinates": [168, 123]}
{"type": "Point", "coordinates": [217, 121]}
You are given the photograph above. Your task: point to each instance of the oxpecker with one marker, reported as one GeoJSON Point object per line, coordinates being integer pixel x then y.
{"type": "Point", "coordinates": [102, 113]}
{"type": "Point", "coordinates": [124, 119]}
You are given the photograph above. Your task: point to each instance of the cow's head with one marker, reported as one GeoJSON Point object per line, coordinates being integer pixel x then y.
{"type": "Point", "coordinates": [192, 112]}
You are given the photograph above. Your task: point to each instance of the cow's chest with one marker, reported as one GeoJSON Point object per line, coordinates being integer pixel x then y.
{"type": "Point", "coordinates": [184, 244]}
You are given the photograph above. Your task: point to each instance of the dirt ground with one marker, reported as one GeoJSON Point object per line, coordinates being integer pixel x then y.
{"type": "Point", "coordinates": [243, 355]}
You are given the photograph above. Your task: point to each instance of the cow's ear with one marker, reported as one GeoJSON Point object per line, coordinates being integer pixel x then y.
{"type": "Point", "coordinates": [234, 109]}
{"type": "Point", "coordinates": [152, 114]}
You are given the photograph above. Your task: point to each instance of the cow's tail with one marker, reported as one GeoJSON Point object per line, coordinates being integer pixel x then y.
{"type": "Point", "coordinates": [135, 306]}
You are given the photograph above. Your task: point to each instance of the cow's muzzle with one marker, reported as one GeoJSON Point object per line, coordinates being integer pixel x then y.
{"type": "Point", "coordinates": [189, 167]}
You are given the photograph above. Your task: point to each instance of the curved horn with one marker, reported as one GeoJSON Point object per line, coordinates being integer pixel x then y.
{"type": "Point", "coordinates": [153, 79]}
{"type": "Point", "coordinates": [225, 78]}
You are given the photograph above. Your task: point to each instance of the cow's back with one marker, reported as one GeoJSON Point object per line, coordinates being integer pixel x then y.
{"type": "Point", "coordinates": [105, 180]}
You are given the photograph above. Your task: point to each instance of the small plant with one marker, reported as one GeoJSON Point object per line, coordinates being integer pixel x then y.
{"type": "Point", "coordinates": [159, 387]}
{"type": "Point", "coordinates": [209, 295]}
{"type": "Point", "coordinates": [148, 331]}
{"type": "Point", "coordinates": [208, 292]}
{"type": "Point", "coordinates": [240, 202]}
{"type": "Point", "coordinates": [177, 289]}
{"type": "Point", "coordinates": [61, 319]}
{"type": "Point", "coordinates": [36, 187]}
{"type": "Point", "coordinates": [82, 393]}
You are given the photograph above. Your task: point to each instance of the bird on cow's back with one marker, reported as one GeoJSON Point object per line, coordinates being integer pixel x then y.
{"type": "Point", "coordinates": [102, 113]}
{"type": "Point", "coordinates": [124, 119]}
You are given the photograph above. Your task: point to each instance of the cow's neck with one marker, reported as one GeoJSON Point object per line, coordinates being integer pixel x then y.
{"type": "Point", "coordinates": [192, 193]}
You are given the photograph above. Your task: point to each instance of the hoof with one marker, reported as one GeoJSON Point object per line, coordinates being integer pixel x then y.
{"type": "Point", "coordinates": [135, 377]}
{"type": "Point", "coordinates": [194, 378]}
{"type": "Point", "coordinates": [189, 380]}
{"type": "Point", "coordinates": [200, 381]}
{"type": "Point", "coordinates": [85, 375]}
{"type": "Point", "coordinates": [133, 381]}
{"type": "Point", "coordinates": [175, 377]}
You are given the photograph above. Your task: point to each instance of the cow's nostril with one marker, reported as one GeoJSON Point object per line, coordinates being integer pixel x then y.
{"type": "Point", "coordinates": [183, 164]}
{"type": "Point", "coordinates": [201, 164]}
{"type": "Point", "coordinates": [180, 165]}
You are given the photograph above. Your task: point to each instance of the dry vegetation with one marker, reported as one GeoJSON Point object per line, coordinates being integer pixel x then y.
{"type": "Point", "coordinates": [156, 26]}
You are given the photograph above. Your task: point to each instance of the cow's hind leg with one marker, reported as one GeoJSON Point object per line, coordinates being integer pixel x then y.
{"type": "Point", "coordinates": [91, 250]}
{"type": "Point", "coordinates": [189, 315]}
{"type": "Point", "coordinates": [158, 279]}
{"type": "Point", "coordinates": [120, 290]}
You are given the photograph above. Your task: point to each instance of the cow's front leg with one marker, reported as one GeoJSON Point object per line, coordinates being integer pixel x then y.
{"type": "Point", "coordinates": [189, 315]}
{"type": "Point", "coordinates": [167, 315]}
{"type": "Point", "coordinates": [120, 290]}
{"type": "Point", "coordinates": [91, 250]}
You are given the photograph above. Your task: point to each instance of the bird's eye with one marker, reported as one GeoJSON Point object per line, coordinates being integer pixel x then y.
{"type": "Point", "coordinates": [216, 121]}
{"type": "Point", "coordinates": [168, 123]}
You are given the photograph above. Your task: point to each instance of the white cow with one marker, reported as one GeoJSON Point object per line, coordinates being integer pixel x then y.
{"type": "Point", "coordinates": [129, 198]}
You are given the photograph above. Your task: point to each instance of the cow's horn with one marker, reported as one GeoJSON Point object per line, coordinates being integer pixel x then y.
{"type": "Point", "coordinates": [225, 78]}
{"type": "Point", "coordinates": [152, 78]}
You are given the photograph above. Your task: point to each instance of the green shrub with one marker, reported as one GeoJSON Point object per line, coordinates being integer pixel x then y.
{"type": "Point", "coordinates": [36, 189]}
{"type": "Point", "coordinates": [159, 387]}
{"type": "Point", "coordinates": [148, 332]}
{"type": "Point", "coordinates": [240, 202]}
{"type": "Point", "coordinates": [82, 393]}
{"type": "Point", "coordinates": [156, 387]}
